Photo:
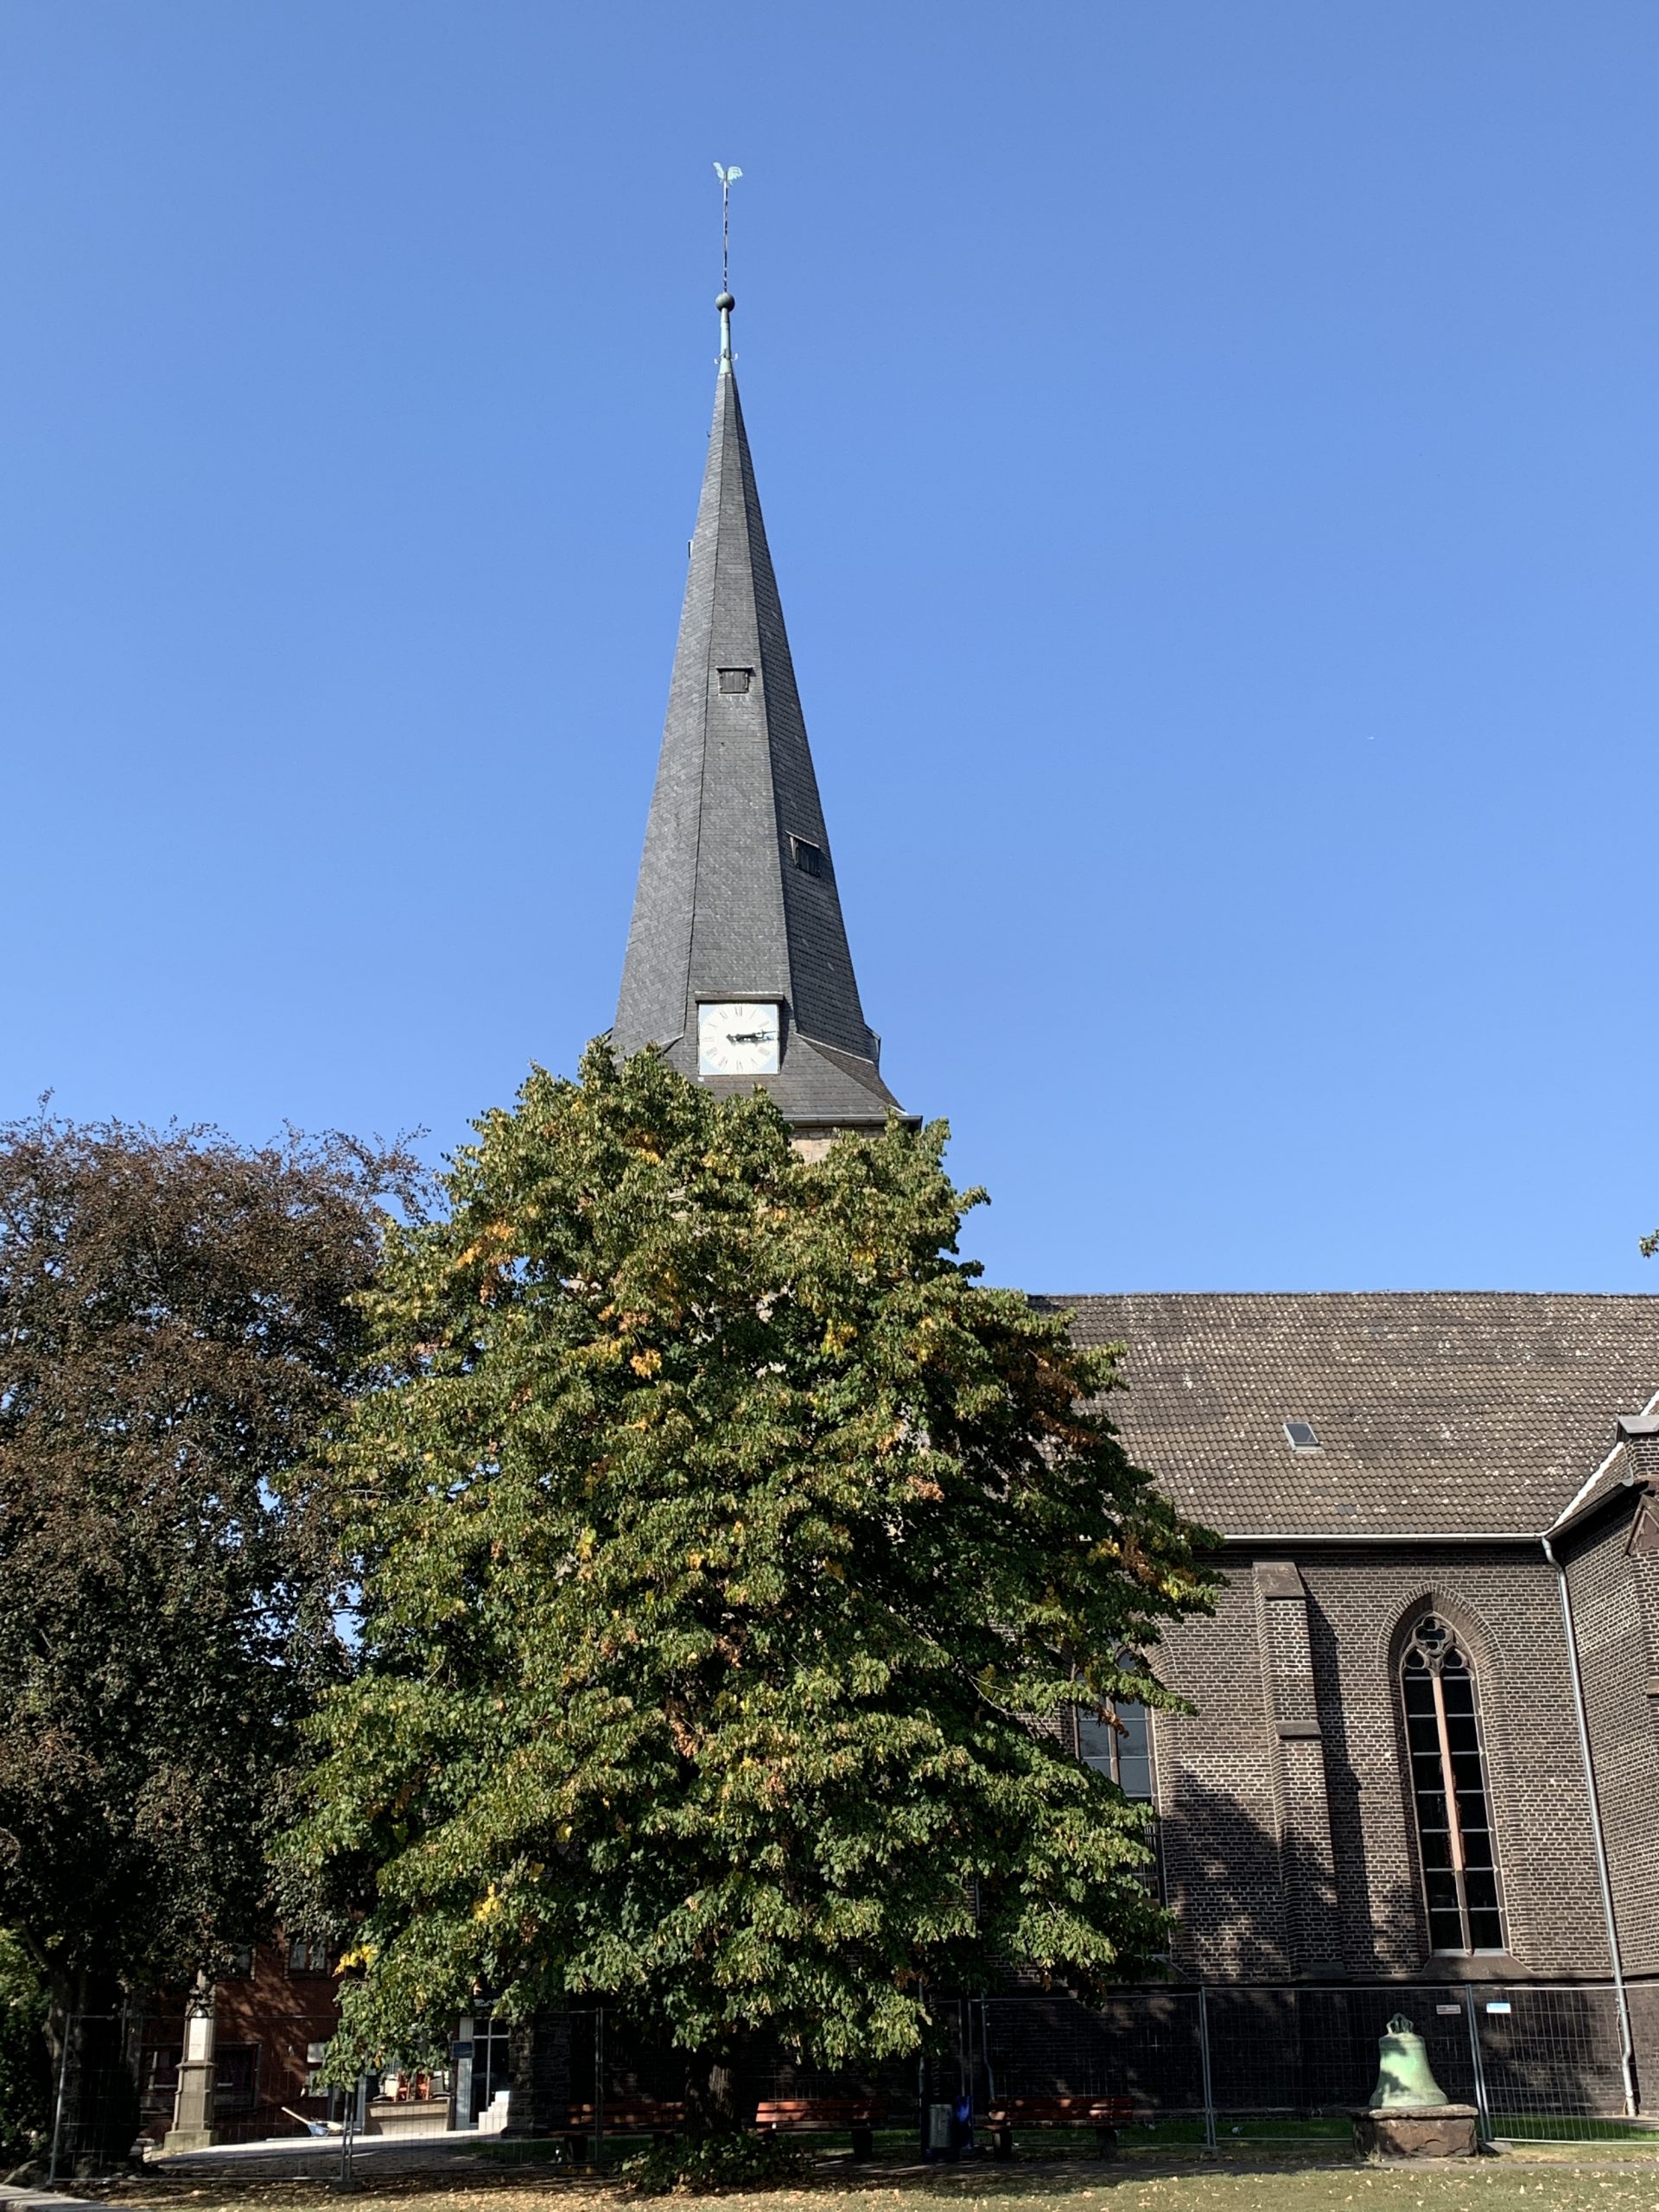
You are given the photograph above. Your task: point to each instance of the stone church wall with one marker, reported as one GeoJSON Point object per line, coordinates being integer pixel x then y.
{"type": "Point", "coordinates": [1288, 1837]}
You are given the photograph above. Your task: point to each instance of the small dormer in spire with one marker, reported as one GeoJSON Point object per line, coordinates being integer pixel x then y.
{"type": "Point", "coordinates": [737, 965]}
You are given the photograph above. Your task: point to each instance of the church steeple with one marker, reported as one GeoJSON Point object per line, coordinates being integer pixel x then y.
{"type": "Point", "coordinates": [737, 965]}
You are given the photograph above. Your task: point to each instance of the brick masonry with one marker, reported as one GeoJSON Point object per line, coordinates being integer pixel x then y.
{"type": "Point", "coordinates": [1615, 1591]}
{"type": "Point", "coordinates": [1245, 1863]}
{"type": "Point", "coordinates": [1301, 1802]}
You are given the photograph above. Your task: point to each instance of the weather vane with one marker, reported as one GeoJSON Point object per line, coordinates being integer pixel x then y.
{"type": "Point", "coordinates": [728, 178]}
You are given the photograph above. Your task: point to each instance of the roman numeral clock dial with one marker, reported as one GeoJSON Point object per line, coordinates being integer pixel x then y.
{"type": "Point", "coordinates": [738, 1036]}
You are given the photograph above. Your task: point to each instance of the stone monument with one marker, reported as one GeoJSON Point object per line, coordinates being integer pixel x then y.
{"type": "Point", "coordinates": [192, 2106]}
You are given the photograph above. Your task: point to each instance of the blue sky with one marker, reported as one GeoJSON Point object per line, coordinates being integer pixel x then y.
{"type": "Point", "coordinates": [1210, 456]}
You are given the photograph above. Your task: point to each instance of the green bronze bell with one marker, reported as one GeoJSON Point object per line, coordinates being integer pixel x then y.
{"type": "Point", "coordinates": [1403, 2078]}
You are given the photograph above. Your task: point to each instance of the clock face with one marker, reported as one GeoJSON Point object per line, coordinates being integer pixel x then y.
{"type": "Point", "coordinates": [739, 1037]}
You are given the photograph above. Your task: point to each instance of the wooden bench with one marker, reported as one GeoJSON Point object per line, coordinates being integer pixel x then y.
{"type": "Point", "coordinates": [659, 2118]}
{"type": "Point", "coordinates": [1104, 2114]}
{"type": "Point", "coordinates": [858, 2117]}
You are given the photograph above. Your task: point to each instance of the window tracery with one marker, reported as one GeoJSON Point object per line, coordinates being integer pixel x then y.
{"type": "Point", "coordinates": [1449, 1789]}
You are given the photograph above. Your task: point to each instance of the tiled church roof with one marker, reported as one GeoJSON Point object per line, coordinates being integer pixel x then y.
{"type": "Point", "coordinates": [1635, 1462]}
{"type": "Point", "coordinates": [1448, 1411]}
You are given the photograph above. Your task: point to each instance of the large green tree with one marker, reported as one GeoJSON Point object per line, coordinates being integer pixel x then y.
{"type": "Point", "coordinates": [179, 1332]}
{"type": "Point", "coordinates": [729, 1554]}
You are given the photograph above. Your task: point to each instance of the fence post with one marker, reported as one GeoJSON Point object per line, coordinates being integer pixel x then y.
{"type": "Point", "coordinates": [57, 2117]}
{"type": "Point", "coordinates": [1204, 2057]}
{"type": "Point", "coordinates": [346, 2179]}
{"type": "Point", "coordinates": [1484, 2118]}
{"type": "Point", "coordinates": [985, 2051]}
{"type": "Point", "coordinates": [599, 2088]}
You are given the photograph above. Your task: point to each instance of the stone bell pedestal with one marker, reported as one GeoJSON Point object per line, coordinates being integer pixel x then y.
{"type": "Point", "coordinates": [1430, 2131]}
{"type": "Point", "coordinates": [1410, 2115]}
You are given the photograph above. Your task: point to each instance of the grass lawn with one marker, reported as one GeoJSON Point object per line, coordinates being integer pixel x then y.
{"type": "Point", "coordinates": [1173, 2185]}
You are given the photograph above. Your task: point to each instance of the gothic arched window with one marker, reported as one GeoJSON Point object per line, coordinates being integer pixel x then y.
{"type": "Point", "coordinates": [1448, 1787]}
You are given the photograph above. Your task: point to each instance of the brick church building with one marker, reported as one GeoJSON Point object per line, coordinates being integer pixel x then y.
{"type": "Point", "coordinates": [1426, 1744]}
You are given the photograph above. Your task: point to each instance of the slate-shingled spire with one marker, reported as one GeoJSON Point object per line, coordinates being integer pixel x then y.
{"type": "Point", "coordinates": [737, 898]}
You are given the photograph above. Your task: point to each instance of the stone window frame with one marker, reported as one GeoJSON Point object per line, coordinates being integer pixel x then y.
{"type": "Point", "coordinates": [1426, 1609]}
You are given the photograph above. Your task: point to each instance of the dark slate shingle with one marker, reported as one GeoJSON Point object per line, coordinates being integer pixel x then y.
{"type": "Point", "coordinates": [722, 909]}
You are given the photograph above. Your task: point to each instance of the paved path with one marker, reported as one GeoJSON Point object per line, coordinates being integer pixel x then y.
{"type": "Point", "coordinates": [279, 2158]}
{"type": "Point", "coordinates": [29, 2198]}
{"type": "Point", "coordinates": [293, 2158]}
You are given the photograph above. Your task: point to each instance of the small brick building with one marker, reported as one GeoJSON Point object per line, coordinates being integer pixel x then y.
{"type": "Point", "coordinates": [270, 2017]}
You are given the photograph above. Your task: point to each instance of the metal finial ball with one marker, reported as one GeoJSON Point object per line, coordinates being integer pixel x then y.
{"type": "Point", "coordinates": [724, 302]}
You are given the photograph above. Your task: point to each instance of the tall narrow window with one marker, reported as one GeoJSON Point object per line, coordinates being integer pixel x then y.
{"type": "Point", "coordinates": [1448, 1784]}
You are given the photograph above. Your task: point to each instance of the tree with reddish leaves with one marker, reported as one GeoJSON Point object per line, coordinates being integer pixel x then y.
{"type": "Point", "coordinates": [180, 1330]}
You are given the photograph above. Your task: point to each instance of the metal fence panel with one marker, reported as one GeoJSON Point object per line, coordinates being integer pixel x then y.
{"type": "Point", "coordinates": [1311, 2053]}
{"type": "Point", "coordinates": [1537, 2061]}
{"type": "Point", "coordinates": [95, 2096]}
{"type": "Point", "coordinates": [1551, 2056]}
{"type": "Point", "coordinates": [1144, 2043]}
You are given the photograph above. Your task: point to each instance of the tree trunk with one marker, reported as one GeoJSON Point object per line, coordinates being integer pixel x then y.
{"type": "Point", "coordinates": [66, 2002]}
{"type": "Point", "coordinates": [711, 2091]}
